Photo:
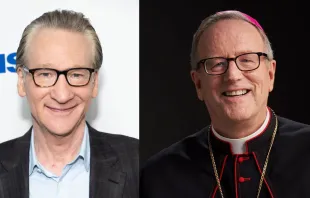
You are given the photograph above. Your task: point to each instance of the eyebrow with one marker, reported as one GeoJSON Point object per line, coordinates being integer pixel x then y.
{"type": "Point", "coordinates": [237, 53]}
{"type": "Point", "coordinates": [247, 51]}
{"type": "Point", "coordinates": [50, 66]}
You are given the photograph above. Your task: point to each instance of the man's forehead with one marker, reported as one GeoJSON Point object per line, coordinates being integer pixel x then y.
{"type": "Point", "coordinates": [50, 46]}
{"type": "Point", "coordinates": [50, 33]}
{"type": "Point", "coordinates": [49, 37]}
{"type": "Point", "coordinates": [229, 35]}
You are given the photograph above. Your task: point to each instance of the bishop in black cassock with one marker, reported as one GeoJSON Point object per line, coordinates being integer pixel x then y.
{"type": "Point", "coordinates": [233, 71]}
{"type": "Point", "coordinates": [185, 170]}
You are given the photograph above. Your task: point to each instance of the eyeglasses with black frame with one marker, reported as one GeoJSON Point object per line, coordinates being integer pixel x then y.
{"type": "Point", "coordinates": [47, 77]}
{"type": "Point", "coordinates": [219, 65]}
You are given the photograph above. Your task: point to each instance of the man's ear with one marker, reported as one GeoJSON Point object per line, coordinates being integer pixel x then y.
{"type": "Point", "coordinates": [195, 75]}
{"type": "Point", "coordinates": [95, 84]}
{"type": "Point", "coordinates": [272, 72]}
{"type": "Point", "coordinates": [21, 82]}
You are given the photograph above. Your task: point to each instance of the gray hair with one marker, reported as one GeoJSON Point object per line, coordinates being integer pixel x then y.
{"type": "Point", "coordinates": [231, 14]}
{"type": "Point", "coordinates": [62, 19]}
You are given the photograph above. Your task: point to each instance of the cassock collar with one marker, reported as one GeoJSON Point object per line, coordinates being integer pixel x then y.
{"type": "Point", "coordinates": [258, 143]}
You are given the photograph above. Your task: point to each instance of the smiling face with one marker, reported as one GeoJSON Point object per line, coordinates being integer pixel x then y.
{"type": "Point", "coordinates": [235, 95]}
{"type": "Point", "coordinates": [60, 108]}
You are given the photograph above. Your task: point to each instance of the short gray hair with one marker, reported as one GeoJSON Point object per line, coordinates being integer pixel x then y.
{"type": "Point", "coordinates": [62, 19]}
{"type": "Point", "coordinates": [224, 15]}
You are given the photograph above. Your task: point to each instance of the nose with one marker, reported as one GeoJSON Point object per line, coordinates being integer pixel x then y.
{"type": "Point", "coordinates": [62, 91]}
{"type": "Point", "coordinates": [232, 73]}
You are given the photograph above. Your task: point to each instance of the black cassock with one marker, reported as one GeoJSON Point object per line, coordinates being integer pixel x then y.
{"type": "Point", "coordinates": [185, 168]}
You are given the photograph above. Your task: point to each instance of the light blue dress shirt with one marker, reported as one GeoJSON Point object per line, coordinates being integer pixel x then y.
{"type": "Point", "coordinates": [73, 182]}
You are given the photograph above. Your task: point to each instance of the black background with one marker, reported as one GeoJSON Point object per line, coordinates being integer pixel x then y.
{"type": "Point", "coordinates": [169, 107]}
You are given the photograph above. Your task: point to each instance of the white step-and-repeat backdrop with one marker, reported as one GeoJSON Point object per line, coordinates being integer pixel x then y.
{"type": "Point", "coordinates": [116, 109]}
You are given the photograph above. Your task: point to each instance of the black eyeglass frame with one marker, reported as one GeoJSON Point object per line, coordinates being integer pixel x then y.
{"type": "Point", "coordinates": [64, 72]}
{"type": "Point", "coordinates": [259, 54]}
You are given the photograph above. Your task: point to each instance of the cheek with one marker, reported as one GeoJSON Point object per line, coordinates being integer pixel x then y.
{"type": "Point", "coordinates": [266, 82]}
{"type": "Point", "coordinates": [34, 92]}
{"type": "Point", "coordinates": [211, 87]}
{"type": "Point", "coordinates": [85, 99]}
{"type": "Point", "coordinates": [260, 83]}
{"type": "Point", "coordinates": [36, 97]}
{"type": "Point", "coordinates": [85, 95]}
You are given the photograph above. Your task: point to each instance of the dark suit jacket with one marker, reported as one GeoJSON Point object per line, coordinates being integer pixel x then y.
{"type": "Point", "coordinates": [113, 166]}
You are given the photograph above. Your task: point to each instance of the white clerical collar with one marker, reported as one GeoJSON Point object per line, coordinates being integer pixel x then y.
{"type": "Point", "coordinates": [238, 146]}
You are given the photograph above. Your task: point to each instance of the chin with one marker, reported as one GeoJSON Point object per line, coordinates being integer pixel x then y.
{"type": "Point", "coordinates": [60, 133]}
{"type": "Point", "coordinates": [61, 127]}
{"type": "Point", "coordinates": [60, 130]}
{"type": "Point", "coordinates": [238, 113]}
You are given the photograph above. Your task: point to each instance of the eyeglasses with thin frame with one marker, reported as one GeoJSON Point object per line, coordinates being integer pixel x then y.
{"type": "Point", "coordinates": [244, 62]}
{"type": "Point", "coordinates": [47, 77]}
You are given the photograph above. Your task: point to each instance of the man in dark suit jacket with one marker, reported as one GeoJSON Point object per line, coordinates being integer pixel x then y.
{"type": "Point", "coordinates": [58, 60]}
{"type": "Point", "coordinates": [113, 171]}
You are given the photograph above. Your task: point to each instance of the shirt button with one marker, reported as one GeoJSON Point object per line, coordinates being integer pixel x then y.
{"type": "Point", "coordinates": [242, 159]}
{"type": "Point", "coordinates": [243, 179]}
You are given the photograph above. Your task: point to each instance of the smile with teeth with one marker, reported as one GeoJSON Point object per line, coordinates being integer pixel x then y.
{"type": "Point", "coordinates": [236, 93]}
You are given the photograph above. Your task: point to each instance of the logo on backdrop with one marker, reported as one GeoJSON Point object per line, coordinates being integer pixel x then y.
{"type": "Point", "coordinates": [7, 63]}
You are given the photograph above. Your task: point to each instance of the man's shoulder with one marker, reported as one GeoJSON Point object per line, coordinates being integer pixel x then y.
{"type": "Point", "coordinates": [119, 143]}
{"type": "Point", "coordinates": [183, 150]}
{"type": "Point", "coordinates": [121, 151]}
{"type": "Point", "coordinates": [8, 147]}
{"type": "Point", "coordinates": [11, 151]}
{"type": "Point", "coordinates": [114, 139]}
{"type": "Point", "coordinates": [9, 143]}
{"type": "Point", "coordinates": [289, 126]}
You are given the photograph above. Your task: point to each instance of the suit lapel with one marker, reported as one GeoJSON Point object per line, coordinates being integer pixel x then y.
{"type": "Point", "coordinates": [106, 178]}
{"type": "Point", "coordinates": [15, 181]}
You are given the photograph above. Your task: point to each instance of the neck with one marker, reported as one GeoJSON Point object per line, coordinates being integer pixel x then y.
{"type": "Point", "coordinates": [53, 151]}
{"type": "Point", "coordinates": [239, 129]}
